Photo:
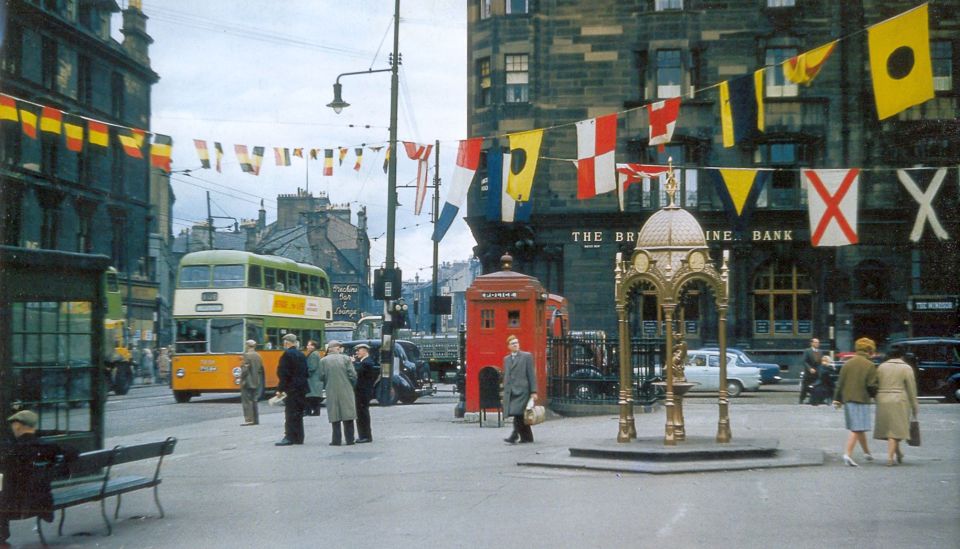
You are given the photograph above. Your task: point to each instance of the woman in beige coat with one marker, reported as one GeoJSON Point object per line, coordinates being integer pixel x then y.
{"type": "Point", "coordinates": [896, 401]}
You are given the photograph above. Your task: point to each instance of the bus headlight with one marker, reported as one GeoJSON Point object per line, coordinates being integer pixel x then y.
{"type": "Point", "coordinates": [180, 372]}
{"type": "Point", "coordinates": [236, 376]}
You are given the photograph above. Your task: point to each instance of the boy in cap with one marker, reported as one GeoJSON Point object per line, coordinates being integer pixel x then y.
{"type": "Point", "coordinates": [26, 487]}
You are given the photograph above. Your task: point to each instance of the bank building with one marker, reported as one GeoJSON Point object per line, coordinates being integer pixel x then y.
{"type": "Point", "coordinates": [548, 65]}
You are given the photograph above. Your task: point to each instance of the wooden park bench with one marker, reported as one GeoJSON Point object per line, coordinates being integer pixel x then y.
{"type": "Point", "coordinates": [89, 478]}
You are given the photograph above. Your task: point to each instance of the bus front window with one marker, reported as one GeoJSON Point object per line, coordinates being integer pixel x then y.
{"type": "Point", "coordinates": [226, 335]}
{"type": "Point", "coordinates": [192, 336]}
{"type": "Point", "coordinates": [195, 276]}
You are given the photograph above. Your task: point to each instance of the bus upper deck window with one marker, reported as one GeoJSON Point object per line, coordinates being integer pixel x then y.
{"type": "Point", "coordinates": [269, 278]}
{"type": "Point", "coordinates": [293, 283]}
{"type": "Point", "coordinates": [324, 287]}
{"type": "Point", "coordinates": [314, 285]}
{"type": "Point", "coordinates": [228, 276]}
{"type": "Point", "coordinates": [253, 277]}
{"type": "Point", "coordinates": [195, 276]}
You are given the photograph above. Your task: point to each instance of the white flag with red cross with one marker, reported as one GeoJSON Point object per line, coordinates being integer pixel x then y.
{"type": "Point", "coordinates": [663, 119]}
{"type": "Point", "coordinates": [833, 206]}
{"type": "Point", "coordinates": [596, 145]}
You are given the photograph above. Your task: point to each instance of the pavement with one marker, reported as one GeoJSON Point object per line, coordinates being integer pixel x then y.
{"type": "Point", "coordinates": [430, 480]}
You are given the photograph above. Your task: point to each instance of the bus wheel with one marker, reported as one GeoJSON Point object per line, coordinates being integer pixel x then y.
{"type": "Point", "coordinates": [182, 397]}
{"type": "Point", "coordinates": [122, 378]}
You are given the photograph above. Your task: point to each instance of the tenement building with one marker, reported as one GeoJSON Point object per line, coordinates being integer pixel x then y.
{"type": "Point", "coordinates": [67, 184]}
{"type": "Point", "coordinates": [548, 65]}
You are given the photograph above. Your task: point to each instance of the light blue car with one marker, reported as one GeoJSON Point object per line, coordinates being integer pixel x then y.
{"type": "Point", "coordinates": [703, 368]}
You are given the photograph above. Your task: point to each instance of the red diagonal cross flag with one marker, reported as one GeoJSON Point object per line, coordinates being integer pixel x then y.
{"type": "Point", "coordinates": [663, 119]}
{"type": "Point", "coordinates": [833, 206]}
{"type": "Point", "coordinates": [628, 174]}
{"type": "Point", "coordinates": [420, 153]}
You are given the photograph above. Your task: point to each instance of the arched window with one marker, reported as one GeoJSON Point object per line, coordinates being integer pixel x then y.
{"type": "Point", "coordinates": [782, 301]}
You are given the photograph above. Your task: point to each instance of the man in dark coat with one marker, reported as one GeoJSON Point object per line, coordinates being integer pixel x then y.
{"type": "Point", "coordinates": [292, 375]}
{"type": "Point", "coordinates": [519, 386]}
{"type": "Point", "coordinates": [366, 380]}
{"type": "Point", "coordinates": [26, 465]}
{"type": "Point", "coordinates": [811, 364]}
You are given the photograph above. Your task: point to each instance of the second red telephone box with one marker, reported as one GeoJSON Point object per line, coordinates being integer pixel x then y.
{"type": "Point", "coordinates": [499, 305]}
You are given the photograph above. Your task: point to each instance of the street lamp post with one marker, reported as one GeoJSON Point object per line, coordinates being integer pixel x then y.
{"type": "Point", "coordinates": [338, 104]}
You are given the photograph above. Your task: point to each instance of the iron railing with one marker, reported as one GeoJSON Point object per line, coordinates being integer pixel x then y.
{"type": "Point", "coordinates": [585, 369]}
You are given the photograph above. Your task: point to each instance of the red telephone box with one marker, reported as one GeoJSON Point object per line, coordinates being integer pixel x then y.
{"type": "Point", "coordinates": [501, 304]}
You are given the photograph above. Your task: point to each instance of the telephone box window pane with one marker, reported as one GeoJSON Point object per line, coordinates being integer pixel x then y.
{"type": "Point", "coordinates": [513, 319]}
{"type": "Point", "coordinates": [486, 319]}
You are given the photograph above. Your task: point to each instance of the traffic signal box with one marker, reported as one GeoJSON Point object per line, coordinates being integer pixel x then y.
{"type": "Point", "coordinates": [501, 304]}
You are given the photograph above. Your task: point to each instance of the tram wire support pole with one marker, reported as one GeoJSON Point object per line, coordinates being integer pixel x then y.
{"type": "Point", "coordinates": [338, 104]}
{"type": "Point", "coordinates": [435, 321]}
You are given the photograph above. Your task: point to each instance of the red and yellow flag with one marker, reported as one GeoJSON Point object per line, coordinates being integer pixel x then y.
{"type": "Point", "coordinates": [51, 120]}
{"type": "Point", "coordinates": [132, 141]}
{"type": "Point", "coordinates": [74, 135]}
{"type": "Point", "coordinates": [343, 154]}
{"type": "Point", "coordinates": [359, 152]}
{"type": "Point", "coordinates": [160, 152]}
{"type": "Point", "coordinates": [202, 153]}
{"type": "Point", "coordinates": [8, 109]}
{"type": "Point", "coordinates": [28, 120]}
{"type": "Point", "coordinates": [97, 133]}
{"type": "Point", "coordinates": [803, 68]}
{"type": "Point", "coordinates": [328, 162]}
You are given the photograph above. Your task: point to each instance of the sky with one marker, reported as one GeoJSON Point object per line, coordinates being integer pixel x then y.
{"type": "Point", "coordinates": [260, 73]}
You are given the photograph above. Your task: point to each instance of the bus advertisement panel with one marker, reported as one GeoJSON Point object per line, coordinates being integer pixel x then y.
{"type": "Point", "coordinates": [224, 298]}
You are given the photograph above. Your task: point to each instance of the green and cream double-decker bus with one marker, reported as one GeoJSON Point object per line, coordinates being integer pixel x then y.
{"type": "Point", "coordinates": [225, 297]}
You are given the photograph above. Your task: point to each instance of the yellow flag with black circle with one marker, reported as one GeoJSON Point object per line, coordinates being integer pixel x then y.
{"type": "Point", "coordinates": [524, 152]}
{"type": "Point", "coordinates": [900, 61]}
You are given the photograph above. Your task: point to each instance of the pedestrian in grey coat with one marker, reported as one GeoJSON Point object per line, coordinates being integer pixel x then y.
{"type": "Point", "coordinates": [315, 394]}
{"type": "Point", "coordinates": [339, 378]}
{"type": "Point", "coordinates": [519, 386]}
{"type": "Point", "coordinates": [251, 376]}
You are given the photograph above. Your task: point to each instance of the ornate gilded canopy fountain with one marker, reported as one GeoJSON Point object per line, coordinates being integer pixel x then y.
{"type": "Point", "coordinates": [670, 254]}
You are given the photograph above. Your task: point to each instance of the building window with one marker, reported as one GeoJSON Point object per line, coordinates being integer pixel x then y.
{"type": "Point", "coordinates": [777, 84]}
{"type": "Point", "coordinates": [118, 165]}
{"type": "Point", "coordinates": [84, 81]}
{"type": "Point", "coordinates": [483, 82]}
{"type": "Point", "coordinates": [49, 145]}
{"type": "Point", "coordinates": [782, 301]}
{"type": "Point", "coordinates": [116, 94]}
{"type": "Point", "coordinates": [84, 231]}
{"type": "Point", "coordinates": [668, 73]}
{"type": "Point", "coordinates": [783, 189]}
{"type": "Point", "coordinates": [664, 5]}
{"type": "Point", "coordinates": [49, 226]}
{"type": "Point", "coordinates": [941, 55]}
{"type": "Point", "coordinates": [11, 213]}
{"type": "Point", "coordinates": [13, 50]}
{"type": "Point", "coordinates": [518, 78]}
{"type": "Point", "coordinates": [485, 9]}
{"type": "Point", "coordinates": [640, 59]}
{"type": "Point", "coordinates": [781, 3]}
{"type": "Point", "coordinates": [516, 6]}
{"type": "Point", "coordinates": [49, 63]}
{"type": "Point", "coordinates": [118, 251]}
{"type": "Point", "coordinates": [872, 277]}
{"type": "Point", "coordinates": [687, 178]}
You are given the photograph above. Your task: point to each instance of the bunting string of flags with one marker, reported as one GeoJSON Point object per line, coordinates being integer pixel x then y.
{"type": "Point", "coordinates": [901, 74]}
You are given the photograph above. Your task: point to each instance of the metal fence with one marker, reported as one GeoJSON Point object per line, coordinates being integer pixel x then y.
{"type": "Point", "coordinates": [585, 369]}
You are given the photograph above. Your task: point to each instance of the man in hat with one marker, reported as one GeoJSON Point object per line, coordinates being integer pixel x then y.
{"type": "Point", "coordinates": [251, 376]}
{"type": "Point", "coordinates": [292, 376]}
{"type": "Point", "coordinates": [339, 379]}
{"type": "Point", "coordinates": [26, 485]}
{"type": "Point", "coordinates": [366, 380]}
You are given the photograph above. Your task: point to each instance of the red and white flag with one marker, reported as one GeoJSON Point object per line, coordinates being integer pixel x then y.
{"type": "Point", "coordinates": [596, 145]}
{"type": "Point", "coordinates": [833, 206]}
{"type": "Point", "coordinates": [628, 174]}
{"type": "Point", "coordinates": [663, 119]}
{"type": "Point", "coordinates": [420, 153]}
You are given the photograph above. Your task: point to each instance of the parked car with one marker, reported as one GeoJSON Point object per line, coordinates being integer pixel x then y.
{"type": "Point", "coordinates": [703, 367]}
{"type": "Point", "coordinates": [936, 362]}
{"type": "Point", "coordinates": [769, 373]}
{"type": "Point", "coordinates": [407, 384]}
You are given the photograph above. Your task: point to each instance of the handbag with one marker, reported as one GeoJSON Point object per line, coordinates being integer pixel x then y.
{"type": "Point", "coordinates": [533, 415]}
{"type": "Point", "coordinates": [914, 439]}
{"type": "Point", "coordinates": [277, 399]}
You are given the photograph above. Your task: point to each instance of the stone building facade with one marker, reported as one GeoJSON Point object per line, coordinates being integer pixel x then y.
{"type": "Point", "coordinates": [61, 54]}
{"type": "Point", "coordinates": [540, 64]}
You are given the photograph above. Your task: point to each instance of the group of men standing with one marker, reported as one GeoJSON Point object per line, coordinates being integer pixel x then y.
{"type": "Point", "coordinates": [303, 379]}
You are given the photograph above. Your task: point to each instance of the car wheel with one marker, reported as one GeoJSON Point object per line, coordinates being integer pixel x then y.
{"type": "Point", "coordinates": [122, 378]}
{"type": "Point", "coordinates": [182, 397]}
{"type": "Point", "coordinates": [734, 388]}
{"type": "Point", "coordinates": [954, 394]}
{"type": "Point", "coordinates": [385, 396]}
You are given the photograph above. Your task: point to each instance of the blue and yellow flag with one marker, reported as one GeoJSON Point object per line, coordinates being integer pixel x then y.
{"type": "Point", "coordinates": [741, 108]}
{"type": "Point", "coordinates": [738, 191]}
{"type": "Point", "coordinates": [524, 152]}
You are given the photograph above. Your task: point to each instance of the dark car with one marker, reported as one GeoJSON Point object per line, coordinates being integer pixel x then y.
{"type": "Point", "coordinates": [407, 384]}
{"type": "Point", "coordinates": [936, 361]}
{"type": "Point", "coordinates": [769, 373]}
